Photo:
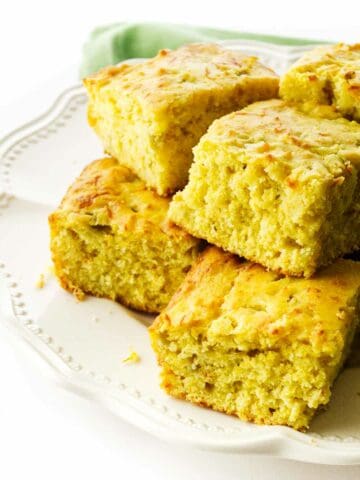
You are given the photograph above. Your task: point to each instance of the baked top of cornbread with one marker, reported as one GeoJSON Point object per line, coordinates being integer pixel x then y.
{"type": "Point", "coordinates": [334, 58]}
{"type": "Point", "coordinates": [177, 74]}
{"type": "Point", "coordinates": [260, 309]}
{"type": "Point", "coordinates": [111, 194]}
{"type": "Point", "coordinates": [327, 75]}
{"type": "Point", "coordinates": [286, 141]}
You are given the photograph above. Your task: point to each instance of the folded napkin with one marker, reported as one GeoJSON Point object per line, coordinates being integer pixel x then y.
{"type": "Point", "coordinates": [110, 44]}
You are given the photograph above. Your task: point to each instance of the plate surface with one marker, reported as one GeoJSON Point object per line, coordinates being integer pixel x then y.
{"type": "Point", "coordinates": [85, 342]}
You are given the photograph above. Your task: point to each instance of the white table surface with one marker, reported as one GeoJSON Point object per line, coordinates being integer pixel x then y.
{"type": "Point", "coordinates": [45, 431]}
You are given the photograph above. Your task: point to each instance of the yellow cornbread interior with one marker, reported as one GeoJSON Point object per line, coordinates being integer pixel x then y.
{"type": "Point", "coordinates": [328, 75]}
{"type": "Point", "coordinates": [110, 238]}
{"type": "Point", "coordinates": [251, 343]}
{"type": "Point", "coordinates": [150, 115]}
{"type": "Point", "coordinates": [275, 186]}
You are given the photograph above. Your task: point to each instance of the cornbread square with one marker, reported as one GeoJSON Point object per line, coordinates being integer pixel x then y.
{"type": "Point", "coordinates": [255, 344]}
{"type": "Point", "coordinates": [150, 115]}
{"type": "Point", "coordinates": [275, 186]}
{"type": "Point", "coordinates": [327, 75]}
{"type": "Point", "coordinates": [110, 238]}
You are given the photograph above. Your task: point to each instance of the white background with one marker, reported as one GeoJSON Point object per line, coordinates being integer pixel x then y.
{"type": "Point", "coordinates": [46, 432]}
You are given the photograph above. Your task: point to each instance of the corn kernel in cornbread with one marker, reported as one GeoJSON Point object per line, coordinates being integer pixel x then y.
{"type": "Point", "coordinates": [276, 187]}
{"type": "Point", "coordinates": [110, 238]}
{"type": "Point", "coordinates": [327, 75]}
{"type": "Point", "coordinates": [255, 344]}
{"type": "Point", "coordinates": [150, 115]}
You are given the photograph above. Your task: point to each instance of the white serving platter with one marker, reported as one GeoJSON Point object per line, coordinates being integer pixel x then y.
{"type": "Point", "coordinates": [84, 343]}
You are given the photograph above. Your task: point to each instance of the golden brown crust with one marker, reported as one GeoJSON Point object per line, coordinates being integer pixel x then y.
{"type": "Point", "coordinates": [219, 282]}
{"type": "Point", "coordinates": [191, 66]}
{"type": "Point", "coordinates": [110, 190]}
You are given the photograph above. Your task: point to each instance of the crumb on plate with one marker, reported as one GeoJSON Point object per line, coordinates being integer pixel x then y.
{"type": "Point", "coordinates": [133, 357]}
{"type": "Point", "coordinates": [40, 282]}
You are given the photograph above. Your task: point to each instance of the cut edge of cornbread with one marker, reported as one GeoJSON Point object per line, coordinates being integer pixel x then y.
{"type": "Point", "coordinates": [110, 238]}
{"type": "Point", "coordinates": [150, 115]}
{"type": "Point", "coordinates": [260, 188]}
{"type": "Point", "coordinates": [222, 343]}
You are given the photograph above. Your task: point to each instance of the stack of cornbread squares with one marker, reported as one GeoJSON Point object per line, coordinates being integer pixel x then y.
{"type": "Point", "coordinates": [259, 323]}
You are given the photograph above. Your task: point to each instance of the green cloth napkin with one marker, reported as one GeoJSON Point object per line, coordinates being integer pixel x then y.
{"type": "Point", "coordinates": [110, 44]}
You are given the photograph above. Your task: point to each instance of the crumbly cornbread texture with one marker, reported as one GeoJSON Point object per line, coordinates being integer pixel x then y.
{"type": "Point", "coordinates": [251, 343]}
{"type": "Point", "coordinates": [328, 75]}
{"type": "Point", "coordinates": [151, 114]}
{"type": "Point", "coordinates": [275, 186]}
{"type": "Point", "coordinates": [110, 238]}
